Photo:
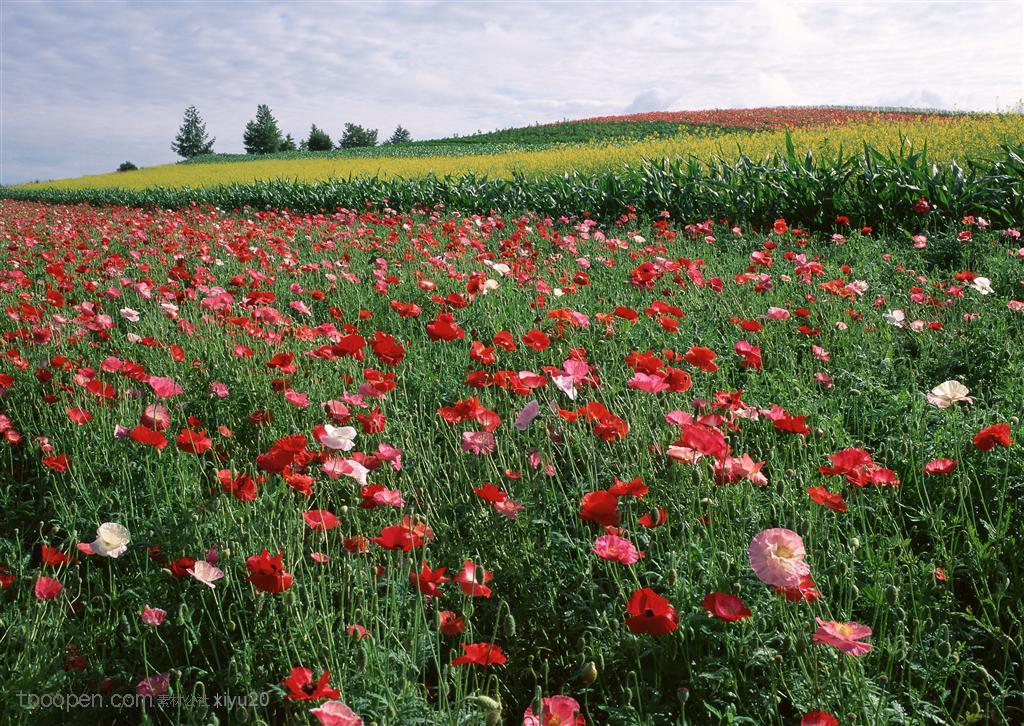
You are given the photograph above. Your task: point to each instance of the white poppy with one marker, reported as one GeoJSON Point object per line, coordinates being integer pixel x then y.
{"type": "Point", "coordinates": [111, 540]}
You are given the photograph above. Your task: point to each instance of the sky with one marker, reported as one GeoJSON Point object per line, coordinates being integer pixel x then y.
{"type": "Point", "coordinates": [85, 86]}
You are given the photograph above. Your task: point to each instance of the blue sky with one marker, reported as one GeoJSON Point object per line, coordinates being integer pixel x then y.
{"type": "Point", "coordinates": [85, 86]}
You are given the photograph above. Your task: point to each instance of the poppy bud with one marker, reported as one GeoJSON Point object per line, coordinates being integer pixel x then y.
{"type": "Point", "coordinates": [343, 510]}
{"type": "Point", "coordinates": [854, 542]}
{"type": "Point", "coordinates": [683, 694]}
{"type": "Point", "coordinates": [509, 626]}
{"type": "Point", "coordinates": [671, 577]}
{"type": "Point", "coordinates": [538, 701]}
{"type": "Point", "coordinates": [892, 594]}
{"type": "Point", "coordinates": [588, 673]}
{"type": "Point", "coordinates": [55, 529]}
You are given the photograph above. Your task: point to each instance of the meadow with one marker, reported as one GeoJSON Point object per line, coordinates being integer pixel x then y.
{"type": "Point", "coordinates": [410, 463]}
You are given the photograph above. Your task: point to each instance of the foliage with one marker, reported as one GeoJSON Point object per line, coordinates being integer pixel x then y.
{"type": "Point", "coordinates": [127, 166]}
{"type": "Point", "coordinates": [192, 139]}
{"type": "Point", "coordinates": [356, 136]}
{"type": "Point", "coordinates": [262, 135]}
{"type": "Point", "coordinates": [318, 140]}
{"type": "Point", "coordinates": [400, 136]}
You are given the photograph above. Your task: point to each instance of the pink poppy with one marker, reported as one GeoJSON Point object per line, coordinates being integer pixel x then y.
{"type": "Point", "coordinates": [336, 713]}
{"type": "Point", "coordinates": [844, 636]}
{"type": "Point", "coordinates": [777, 557]}
{"type": "Point", "coordinates": [617, 549]}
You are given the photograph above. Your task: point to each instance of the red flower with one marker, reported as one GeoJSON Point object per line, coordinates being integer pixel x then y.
{"type": "Point", "coordinates": [482, 654]}
{"type": "Point", "coordinates": [387, 349]}
{"type": "Point", "coordinates": [649, 612]}
{"type": "Point", "coordinates": [452, 623]}
{"type": "Point", "coordinates": [301, 686]}
{"type": "Point", "coordinates": [819, 718]}
{"type": "Point", "coordinates": [282, 453]}
{"type": "Point", "coordinates": [988, 438]}
{"type": "Point", "coordinates": [241, 486]}
{"type": "Point", "coordinates": [194, 442]}
{"type": "Point", "coordinates": [54, 557]}
{"type": "Point", "coordinates": [940, 466]}
{"type": "Point", "coordinates": [47, 588]}
{"type": "Point", "coordinates": [149, 437]}
{"type": "Point", "coordinates": [320, 520]}
{"type": "Point", "coordinates": [822, 496]}
{"type": "Point", "coordinates": [634, 487]}
{"type": "Point", "coordinates": [702, 358]}
{"type": "Point", "coordinates": [725, 607]}
{"type": "Point", "coordinates": [806, 590]}
{"type": "Point", "coordinates": [654, 520]}
{"type": "Point", "coordinates": [601, 507]}
{"type": "Point", "coordinates": [59, 464]}
{"type": "Point", "coordinates": [427, 580]}
{"type": "Point", "coordinates": [443, 327]}
{"type": "Point", "coordinates": [266, 573]}
{"type": "Point", "coordinates": [397, 537]}
{"type": "Point", "coordinates": [181, 566]}
{"type": "Point", "coordinates": [536, 339]}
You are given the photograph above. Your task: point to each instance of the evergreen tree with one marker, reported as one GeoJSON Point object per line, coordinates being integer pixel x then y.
{"type": "Point", "coordinates": [318, 140]}
{"type": "Point", "coordinates": [288, 144]}
{"type": "Point", "coordinates": [400, 136]}
{"type": "Point", "coordinates": [355, 136]}
{"type": "Point", "coordinates": [262, 135]}
{"type": "Point", "coordinates": [191, 139]}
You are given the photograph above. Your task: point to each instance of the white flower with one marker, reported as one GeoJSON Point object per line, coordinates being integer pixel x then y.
{"type": "Point", "coordinates": [340, 438]}
{"type": "Point", "coordinates": [205, 573]}
{"type": "Point", "coordinates": [111, 540]}
{"type": "Point", "coordinates": [129, 314]}
{"type": "Point", "coordinates": [983, 285]}
{"type": "Point", "coordinates": [894, 317]}
{"type": "Point", "coordinates": [947, 393]}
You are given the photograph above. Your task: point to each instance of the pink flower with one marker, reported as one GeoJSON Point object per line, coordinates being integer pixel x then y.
{"type": "Point", "coordinates": [617, 549]}
{"type": "Point", "coordinates": [319, 557]}
{"type": "Point", "coordinates": [526, 416]}
{"type": "Point", "coordinates": [154, 685]}
{"type": "Point", "coordinates": [164, 387]}
{"type": "Point", "coordinates": [561, 710]}
{"type": "Point", "coordinates": [336, 468]}
{"type": "Point", "coordinates": [47, 588]}
{"type": "Point", "coordinates": [390, 454]}
{"type": "Point", "coordinates": [508, 508]}
{"type": "Point", "coordinates": [845, 636]}
{"type": "Point", "coordinates": [297, 399]}
{"type": "Point", "coordinates": [478, 442]}
{"type": "Point", "coordinates": [153, 616]}
{"type": "Point", "coordinates": [336, 713]}
{"type": "Point", "coordinates": [777, 557]}
{"type": "Point", "coordinates": [205, 573]}
{"type": "Point", "coordinates": [219, 389]}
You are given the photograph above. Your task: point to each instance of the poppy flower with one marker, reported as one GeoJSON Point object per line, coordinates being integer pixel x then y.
{"type": "Point", "coordinates": [536, 339]}
{"type": "Point", "coordinates": [601, 507]}
{"type": "Point", "coordinates": [194, 442]}
{"type": "Point", "coordinates": [702, 358]}
{"type": "Point", "coordinates": [282, 453]}
{"type": "Point", "coordinates": [267, 573]}
{"type": "Point", "coordinates": [649, 612]}
{"type": "Point", "coordinates": [206, 573]}
{"type": "Point", "coordinates": [482, 654]}
{"type": "Point", "coordinates": [451, 623]}
{"type": "Point", "coordinates": [946, 394]}
{"type": "Point", "coordinates": [336, 713]}
{"type": "Point", "coordinates": [725, 607]}
{"type": "Point", "coordinates": [467, 579]}
{"type": "Point", "coordinates": [822, 496]}
{"type": "Point", "coordinates": [47, 588]}
{"type": "Point", "coordinates": [153, 616]}
{"type": "Point", "coordinates": [302, 687]}
{"type": "Point", "coordinates": [654, 520]}
{"type": "Point", "coordinates": [777, 557]}
{"type": "Point", "coordinates": [427, 580]}
{"type": "Point", "coordinates": [241, 486]}
{"type": "Point", "coordinates": [940, 466]}
{"type": "Point", "coordinates": [396, 537]}
{"type": "Point", "coordinates": [555, 711]}
{"type": "Point", "coordinates": [149, 437]}
{"type": "Point", "coordinates": [320, 520]}
{"type": "Point", "coordinates": [846, 637]}
{"type": "Point", "coordinates": [617, 549]}
{"type": "Point", "coordinates": [819, 718]}
{"type": "Point", "coordinates": [988, 438]}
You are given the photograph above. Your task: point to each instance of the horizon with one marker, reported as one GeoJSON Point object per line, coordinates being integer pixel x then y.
{"type": "Point", "coordinates": [81, 92]}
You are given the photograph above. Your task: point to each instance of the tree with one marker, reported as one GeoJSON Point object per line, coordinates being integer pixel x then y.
{"type": "Point", "coordinates": [356, 136]}
{"type": "Point", "coordinates": [262, 135]}
{"type": "Point", "coordinates": [318, 140]}
{"type": "Point", "coordinates": [127, 166]}
{"type": "Point", "coordinates": [400, 136]}
{"type": "Point", "coordinates": [288, 144]}
{"type": "Point", "coordinates": [191, 139]}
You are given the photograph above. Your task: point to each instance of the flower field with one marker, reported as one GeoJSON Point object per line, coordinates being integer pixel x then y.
{"type": "Point", "coordinates": [427, 466]}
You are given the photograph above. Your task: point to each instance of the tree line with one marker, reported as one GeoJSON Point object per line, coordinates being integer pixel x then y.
{"type": "Point", "coordinates": [262, 135]}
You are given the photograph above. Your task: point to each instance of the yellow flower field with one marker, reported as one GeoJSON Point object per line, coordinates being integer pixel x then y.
{"type": "Point", "coordinates": [946, 138]}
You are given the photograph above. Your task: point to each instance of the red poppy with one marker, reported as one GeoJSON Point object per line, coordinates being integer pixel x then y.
{"type": "Point", "coordinates": [180, 567]}
{"type": "Point", "coordinates": [267, 573]}
{"type": "Point", "coordinates": [725, 607]}
{"type": "Point", "coordinates": [940, 466]}
{"type": "Point", "coordinates": [634, 487]}
{"type": "Point", "coordinates": [387, 349]}
{"type": "Point", "coordinates": [194, 442]}
{"type": "Point", "coordinates": [59, 464]}
{"type": "Point", "coordinates": [649, 612]}
{"type": "Point", "coordinates": [536, 339]}
{"type": "Point", "coordinates": [654, 520]}
{"type": "Point", "coordinates": [702, 358]}
{"type": "Point", "coordinates": [601, 507]}
{"type": "Point", "coordinates": [241, 486]}
{"type": "Point", "coordinates": [54, 557]}
{"type": "Point", "coordinates": [482, 654]}
{"type": "Point", "coordinates": [320, 520]}
{"type": "Point", "coordinates": [302, 687]}
{"type": "Point", "coordinates": [822, 496]}
{"type": "Point", "coordinates": [149, 437]}
{"type": "Point", "coordinates": [397, 537]}
{"type": "Point", "coordinates": [443, 327]}
{"type": "Point", "coordinates": [427, 580]}
{"type": "Point", "coordinates": [997, 434]}
{"type": "Point", "coordinates": [451, 623]}
{"type": "Point", "coordinates": [282, 453]}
